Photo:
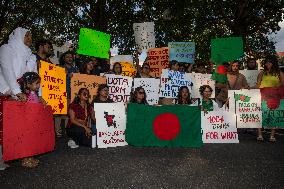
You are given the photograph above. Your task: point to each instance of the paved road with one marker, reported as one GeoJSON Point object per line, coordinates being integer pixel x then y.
{"type": "Point", "coordinates": [249, 164]}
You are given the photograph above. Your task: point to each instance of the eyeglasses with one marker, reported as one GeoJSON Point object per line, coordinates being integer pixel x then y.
{"type": "Point", "coordinates": [141, 92]}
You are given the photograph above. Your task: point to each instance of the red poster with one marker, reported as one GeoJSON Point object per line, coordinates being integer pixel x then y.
{"type": "Point", "coordinates": [272, 96]}
{"type": "Point", "coordinates": [28, 130]}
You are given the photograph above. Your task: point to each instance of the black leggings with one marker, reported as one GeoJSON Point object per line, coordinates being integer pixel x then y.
{"type": "Point", "coordinates": [78, 135]}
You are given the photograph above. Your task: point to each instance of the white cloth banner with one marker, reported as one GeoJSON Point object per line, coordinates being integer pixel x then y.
{"type": "Point", "coordinates": [110, 124]}
{"type": "Point", "coordinates": [119, 87]}
{"type": "Point", "coordinates": [144, 35]}
{"type": "Point", "coordinates": [251, 76]}
{"type": "Point", "coordinates": [171, 81]}
{"type": "Point", "coordinates": [246, 104]}
{"type": "Point", "coordinates": [151, 87]}
{"type": "Point", "coordinates": [198, 80]}
{"type": "Point", "coordinates": [219, 127]}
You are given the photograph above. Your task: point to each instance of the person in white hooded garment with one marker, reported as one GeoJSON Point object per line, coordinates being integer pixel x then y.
{"type": "Point", "coordinates": [16, 58]}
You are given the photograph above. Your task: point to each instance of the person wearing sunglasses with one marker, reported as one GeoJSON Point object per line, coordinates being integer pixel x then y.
{"type": "Point", "coordinates": [139, 96]}
{"type": "Point", "coordinates": [144, 72]}
{"type": "Point", "coordinates": [78, 127]}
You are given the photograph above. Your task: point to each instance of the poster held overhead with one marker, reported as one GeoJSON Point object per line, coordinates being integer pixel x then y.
{"type": "Point", "coordinates": [182, 51]}
{"type": "Point", "coordinates": [144, 35]}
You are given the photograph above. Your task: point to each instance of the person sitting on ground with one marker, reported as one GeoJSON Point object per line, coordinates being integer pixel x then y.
{"type": "Point", "coordinates": [145, 71]}
{"type": "Point", "coordinates": [138, 96]}
{"type": "Point", "coordinates": [80, 112]}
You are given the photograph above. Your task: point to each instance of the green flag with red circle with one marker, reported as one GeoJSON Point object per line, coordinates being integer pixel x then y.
{"type": "Point", "coordinates": [163, 126]}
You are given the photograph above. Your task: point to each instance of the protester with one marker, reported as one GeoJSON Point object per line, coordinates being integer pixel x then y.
{"type": "Point", "coordinates": [236, 80]}
{"type": "Point", "coordinates": [207, 104]}
{"type": "Point", "coordinates": [181, 68]}
{"type": "Point", "coordinates": [117, 68]}
{"type": "Point", "coordinates": [16, 58]}
{"type": "Point", "coordinates": [101, 97]}
{"type": "Point", "coordinates": [80, 112]}
{"type": "Point", "coordinates": [145, 71]}
{"type": "Point", "coordinates": [251, 64]}
{"type": "Point", "coordinates": [44, 50]}
{"type": "Point", "coordinates": [87, 68]}
{"type": "Point", "coordinates": [269, 77]}
{"type": "Point", "coordinates": [138, 96]}
{"type": "Point", "coordinates": [184, 96]}
{"type": "Point", "coordinates": [30, 84]}
{"type": "Point", "coordinates": [174, 65]}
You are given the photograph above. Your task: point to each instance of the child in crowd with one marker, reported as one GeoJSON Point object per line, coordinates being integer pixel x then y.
{"type": "Point", "coordinates": [30, 84]}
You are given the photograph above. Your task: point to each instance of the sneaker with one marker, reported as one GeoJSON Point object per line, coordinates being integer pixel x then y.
{"type": "Point", "coordinates": [72, 144]}
{"type": "Point", "coordinates": [3, 166]}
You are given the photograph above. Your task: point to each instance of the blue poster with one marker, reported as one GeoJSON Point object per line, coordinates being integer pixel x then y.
{"type": "Point", "coordinates": [182, 51]}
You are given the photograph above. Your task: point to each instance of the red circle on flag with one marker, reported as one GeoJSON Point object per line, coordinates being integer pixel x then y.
{"type": "Point", "coordinates": [166, 126]}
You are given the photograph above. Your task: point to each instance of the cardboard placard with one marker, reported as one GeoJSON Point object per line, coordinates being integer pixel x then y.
{"type": "Point", "coordinates": [144, 35]}
{"type": "Point", "coordinates": [151, 87]}
{"type": "Point", "coordinates": [158, 59]}
{"type": "Point", "coordinates": [182, 51]}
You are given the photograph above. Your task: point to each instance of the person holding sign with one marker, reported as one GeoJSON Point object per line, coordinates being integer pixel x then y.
{"type": "Point", "coordinates": [145, 71]}
{"type": "Point", "coordinates": [139, 96]}
{"type": "Point", "coordinates": [117, 68]}
{"type": "Point", "coordinates": [184, 96]}
{"type": "Point", "coordinates": [80, 112]}
{"type": "Point", "coordinates": [271, 76]}
{"type": "Point", "coordinates": [87, 68]}
{"type": "Point", "coordinates": [236, 80]}
{"type": "Point", "coordinates": [16, 58]}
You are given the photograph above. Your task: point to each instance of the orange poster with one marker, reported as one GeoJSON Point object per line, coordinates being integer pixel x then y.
{"type": "Point", "coordinates": [53, 84]}
{"type": "Point", "coordinates": [91, 82]}
{"type": "Point", "coordinates": [158, 59]}
{"type": "Point", "coordinates": [128, 69]}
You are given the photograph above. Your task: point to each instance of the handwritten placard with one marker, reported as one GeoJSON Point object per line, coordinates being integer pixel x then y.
{"type": "Point", "coordinates": [91, 82]}
{"type": "Point", "coordinates": [144, 35]}
{"type": "Point", "coordinates": [198, 80]}
{"type": "Point", "coordinates": [182, 51]}
{"type": "Point", "coordinates": [94, 43]}
{"type": "Point", "coordinates": [119, 87]}
{"type": "Point", "coordinates": [246, 104]}
{"type": "Point", "coordinates": [53, 84]}
{"type": "Point", "coordinates": [151, 87]}
{"type": "Point", "coordinates": [110, 124]}
{"type": "Point", "coordinates": [171, 81]}
{"type": "Point", "coordinates": [128, 69]}
{"type": "Point", "coordinates": [219, 127]}
{"type": "Point", "coordinates": [28, 130]}
{"type": "Point", "coordinates": [251, 76]}
{"type": "Point", "coordinates": [158, 59]}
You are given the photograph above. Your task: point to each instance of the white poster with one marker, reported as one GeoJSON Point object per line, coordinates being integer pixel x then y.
{"type": "Point", "coordinates": [198, 80]}
{"type": "Point", "coordinates": [151, 87]}
{"type": "Point", "coordinates": [246, 105]}
{"type": "Point", "coordinates": [110, 124]}
{"type": "Point", "coordinates": [144, 35]}
{"type": "Point", "coordinates": [219, 127]}
{"type": "Point", "coordinates": [119, 87]}
{"type": "Point", "coordinates": [251, 76]}
{"type": "Point", "coordinates": [171, 81]}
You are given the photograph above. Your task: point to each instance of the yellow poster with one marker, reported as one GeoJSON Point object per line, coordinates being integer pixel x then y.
{"type": "Point", "coordinates": [128, 69]}
{"type": "Point", "coordinates": [53, 84]}
{"type": "Point", "coordinates": [91, 82]}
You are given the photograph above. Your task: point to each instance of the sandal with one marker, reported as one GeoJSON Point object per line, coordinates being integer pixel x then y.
{"type": "Point", "coordinates": [272, 139]}
{"type": "Point", "coordinates": [30, 162]}
{"type": "Point", "coordinates": [259, 138]}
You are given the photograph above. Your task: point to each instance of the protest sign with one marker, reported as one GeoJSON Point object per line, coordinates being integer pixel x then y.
{"type": "Point", "coordinates": [219, 127]}
{"type": "Point", "coordinates": [171, 81]}
{"type": "Point", "coordinates": [246, 104]}
{"type": "Point", "coordinates": [119, 87]}
{"type": "Point", "coordinates": [53, 84]}
{"type": "Point", "coordinates": [158, 59]}
{"type": "Point", "coordinates": [110, 124]}
{"type": "Point", "coordinates": [121, 58]}
{"type": "Point", "coordinates": [182, 51]}
{"type": "Point", "coordinates": [226, 49]}
{"type": "Point", "coordinates": [251, 76]}
{"type": "Point", "coordinates": [198, 80]}
{"type": "Point", "coordinates": [144, 35]}
{"type": "Point", "coordinates": [94, 43]}
{"type": "Point", "coordinates": [128, 69]}
{"type": "Point", "coordinates": [151, 87]}
{"type": "Point", "coordinates": [91, 82]}
{"type": "Point", "coordinates": [28, 130]}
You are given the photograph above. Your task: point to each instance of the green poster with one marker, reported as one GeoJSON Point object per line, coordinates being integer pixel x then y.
{"type": "Point", "coordinates": [226, 49]}
{"type": "Point", "coordinates": [94, 43]}
{"type": "Point", "coordinates": [163, 126]}
{"type": "Point", "coordinates": [272, 117]}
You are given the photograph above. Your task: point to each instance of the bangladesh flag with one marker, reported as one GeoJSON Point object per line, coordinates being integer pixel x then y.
{"type": "Point", "coordinates": [242, 97]}
{"type": "Point", "coordinates": [171, 126]}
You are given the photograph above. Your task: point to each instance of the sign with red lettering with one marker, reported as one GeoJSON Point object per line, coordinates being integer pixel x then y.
{"type": "Point", "coordinates": [246, 105]}
{"type": "Point", "coordinates": [219, 127]}
{"type": "Point", "coordinates": [119, 87]}
{"type": "Point", "coordinates": [110, 124]}
{"type": "Point", "coordinates": [158, 59]}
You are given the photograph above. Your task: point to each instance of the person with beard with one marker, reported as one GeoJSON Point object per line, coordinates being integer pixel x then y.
{"type": "Point", "coordinates": [251, 64]}
{"type": "Point", "coordinates": [236, 80]}
{"type": "Point", "coordinates": [44, 50]}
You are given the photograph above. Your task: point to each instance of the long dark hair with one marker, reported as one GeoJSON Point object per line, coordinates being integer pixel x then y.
{"type": "Point", "coordinates": [188, 99]}
{"type": "Point", "coordinates": [275, 67]}
{"type": "Point", "coordinates": [62, 57]}
{"type": "Point", "coordinates": [28, 78]}
{"type": "Point", "coordinates": [84, 68]}
{"type": "Point", "coordinates": [97, 97]}
{"type": "Point", "coordinates": [203, 87]}
{"type": "Point", "coordinates": [77, 99]}
{"type": "Point", "coordinates": [133, 96]}
{"type": "Point", "coordinates": [117, 63]}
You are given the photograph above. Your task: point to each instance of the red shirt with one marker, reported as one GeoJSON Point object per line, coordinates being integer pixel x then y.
{"type": "Point", "coordinates": [79, 112]}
